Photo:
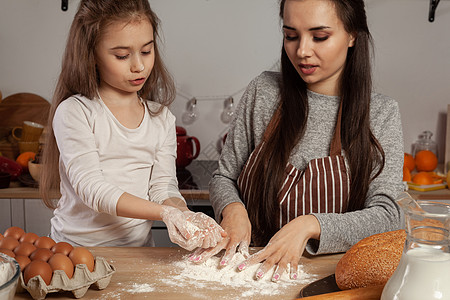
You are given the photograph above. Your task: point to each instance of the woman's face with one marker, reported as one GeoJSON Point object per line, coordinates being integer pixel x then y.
{"type": "Point", "coordinates": [125, 56]}
{"type": "Point", "coordinates": [316, 43]}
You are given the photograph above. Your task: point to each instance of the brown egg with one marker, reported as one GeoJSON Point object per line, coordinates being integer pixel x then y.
{"type": "Point", "coordinates": [44, 242]}
{"type": "Point", "coordinates": [9, 243]}
{"type": "Point", "coordinates": [43, 254]}
{"type": "Point", "coordinates": [81, 255]}
{"type": "Point", "coordinates": [1, 236]}
{"type": "Point", "coordinates": [60, 261]}
{"type": "Point", "coordinates": [29, 237]}
{"type": "Point", "coordinates": [62, 247]}
{"type": "Point", "coordinates": [24, 249]}
{"type": "Point", "coordinates": [7, 252]}
{"type": "Point", "coordinates": [15, 232]}
{"type": "Point", "coordinates": [38, 267]}
{"type": "Point", "coordinates": [23, 261]}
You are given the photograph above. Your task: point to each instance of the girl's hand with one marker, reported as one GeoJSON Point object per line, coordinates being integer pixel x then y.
{"type": "Point", "coordinates": [190, 230]}
{"type": "Point", "coordinates": [238, 228]}
{"type": "Point", "coordinates": [177, 225]}
{"type": "Point", "coordinates": [285, 247]}
{"type": "Point", "coordinates": [209, 229]}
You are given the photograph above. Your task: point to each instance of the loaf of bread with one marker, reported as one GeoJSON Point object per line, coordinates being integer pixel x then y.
{"type": "Point", "coordinates": [371, 261]}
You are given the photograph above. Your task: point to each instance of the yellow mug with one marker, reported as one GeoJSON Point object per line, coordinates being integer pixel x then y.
{"type": "Point", "coordinates": [30, 132]}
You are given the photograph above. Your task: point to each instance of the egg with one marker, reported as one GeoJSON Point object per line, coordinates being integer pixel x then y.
{"type": "Point", "coordinates": [24, 249]}
{"type": "Point", "coordinates": [62, 247]}
{"type": "Point", "coordinates": [60, 261]}
{"type": "Point", "coordinates": [1, 236]}
{"type": "Point", "coordinates": [38, 267]}
{"type": "Point", "coordinates": [23, 261]}
{"type": "Point", "coordinates": [9, 243]}
{"type": "Point", "coordinates": [44, 242]}
{"type": "Point", "coordinates": [15, 232]}
{"type": "Point", "coordinates": [29, 237]}
{"type": "Point", "coordinates": [81, 255]}
{"type": "Point", "coordinates": [43, 254]}
{"type": "Point", "coordinates": [7, 252]}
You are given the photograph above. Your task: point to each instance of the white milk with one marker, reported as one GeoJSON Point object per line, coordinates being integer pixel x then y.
{"type": "Point", "coordinates": [423, 273]}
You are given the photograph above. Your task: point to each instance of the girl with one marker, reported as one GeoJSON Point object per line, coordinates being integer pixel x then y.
{"type": "Point", "coordinates": [314, 157]}
{"type": "Point", "coordinates": [114, 150]}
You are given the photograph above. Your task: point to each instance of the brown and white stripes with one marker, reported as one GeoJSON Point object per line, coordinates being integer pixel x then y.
{"type": "Point", "coordinates": [323, 187]}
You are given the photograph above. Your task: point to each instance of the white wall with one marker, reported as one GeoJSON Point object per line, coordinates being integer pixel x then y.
{"type": "Point", "coordinates": [215, 47]}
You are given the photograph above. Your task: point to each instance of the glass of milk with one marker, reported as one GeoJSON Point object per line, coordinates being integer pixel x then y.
{"type": "Point", "coordinates": [424, 268]}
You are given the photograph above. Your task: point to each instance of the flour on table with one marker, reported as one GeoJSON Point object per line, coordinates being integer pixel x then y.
{"type": "Point", "coordinates": [202, 275]}
{"type": "Point", "coordinates": [140, 288]}
{"type": "Point", "coordinates": [135, 288]}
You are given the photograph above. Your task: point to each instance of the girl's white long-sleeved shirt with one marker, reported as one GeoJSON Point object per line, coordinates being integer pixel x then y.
{"type": "Point", "coordinates": [100, 159]}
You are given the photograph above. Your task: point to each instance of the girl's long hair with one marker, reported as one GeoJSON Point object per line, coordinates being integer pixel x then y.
{"type": "Point", "coordinates": [79, 76]}
{"type": "Point", "coordinates": [365, 154]}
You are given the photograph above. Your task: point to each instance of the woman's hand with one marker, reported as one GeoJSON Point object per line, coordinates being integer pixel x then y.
{"type": "Point", "coordinates": [191, 230]}
{"type": "Point", "coordinates": [285, 247]}
{"type": "Point", "coordinates": [238, 228]}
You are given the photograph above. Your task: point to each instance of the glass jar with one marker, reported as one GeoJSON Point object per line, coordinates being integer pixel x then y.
{"type": "Point", "coordinates": [424, 268]}
{"type": "Point", "coordinates": [424, 142]}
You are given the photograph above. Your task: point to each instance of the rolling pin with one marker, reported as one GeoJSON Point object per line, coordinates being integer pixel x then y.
{"type": "Point", "coordinates": [366, 293]}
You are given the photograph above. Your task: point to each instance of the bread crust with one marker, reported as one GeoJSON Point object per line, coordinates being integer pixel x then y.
{"type": "Point", "coordinates": [371, 261]}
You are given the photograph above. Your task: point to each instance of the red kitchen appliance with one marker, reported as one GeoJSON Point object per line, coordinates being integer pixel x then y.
{"type": "Point", "coordinates": [185, 148]}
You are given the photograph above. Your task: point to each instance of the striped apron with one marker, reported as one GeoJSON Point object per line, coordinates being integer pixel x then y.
{"type": "Point", "coordinates": [322, 187]}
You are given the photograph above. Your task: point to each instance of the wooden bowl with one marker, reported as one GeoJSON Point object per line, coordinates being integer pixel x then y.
{"type": "Point", "coordinates": [35, 170]}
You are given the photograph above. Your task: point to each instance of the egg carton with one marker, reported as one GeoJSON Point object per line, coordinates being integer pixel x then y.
{"type": "Point", "coordinates": [80, 282]}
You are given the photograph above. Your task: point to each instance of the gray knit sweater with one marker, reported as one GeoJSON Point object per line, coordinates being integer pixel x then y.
{"type": "Point", "coordinates": [338, 231]}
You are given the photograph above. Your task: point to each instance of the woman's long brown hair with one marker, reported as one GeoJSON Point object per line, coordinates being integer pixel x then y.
{"type": "Point", "coordinates": [79, 76]}
{"type": "Point", "coordinates": [364, 153]}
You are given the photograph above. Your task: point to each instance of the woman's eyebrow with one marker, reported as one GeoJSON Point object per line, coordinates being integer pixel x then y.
{"type": "Point", "coordinates": [311, 29]}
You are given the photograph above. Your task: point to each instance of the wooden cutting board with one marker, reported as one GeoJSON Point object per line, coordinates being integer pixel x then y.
{"type": "Point", "coordinates": [15, 109]}
{"type": "Point", "coordinates": [20, 107]}
{"type": "Point", "coordinates": [366, 293]}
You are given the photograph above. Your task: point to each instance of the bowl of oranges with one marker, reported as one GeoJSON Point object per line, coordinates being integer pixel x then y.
{"type": "Point", "coordinates": [420, 173]}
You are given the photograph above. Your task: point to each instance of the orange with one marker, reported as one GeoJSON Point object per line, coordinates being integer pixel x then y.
{"type": "Point", "coordinates": [409, 162]}
{"type": "Point", "coordinates": [437, 178]}
{"type": "Point", "coordinates": [423, 178]}
{"type": "Point", "coordinates": [426, 161]}
{"type": "Point", "coordinates": [406, 174]}
{"type": "Point", "coordinates": [24, 157]}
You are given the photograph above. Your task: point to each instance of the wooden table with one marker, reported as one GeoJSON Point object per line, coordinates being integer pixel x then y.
{"type": "Point", "coordinates": [443, 194]}
{"type": "Point", "coordinates": [154, 267]}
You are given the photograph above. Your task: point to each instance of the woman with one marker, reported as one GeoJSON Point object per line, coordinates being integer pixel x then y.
{"type": "Point", "coordinates": [314, 158]}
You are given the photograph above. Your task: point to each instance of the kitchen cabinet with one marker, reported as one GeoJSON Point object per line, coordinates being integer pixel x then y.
{"type": "Point", "coordinates": [30, 214]}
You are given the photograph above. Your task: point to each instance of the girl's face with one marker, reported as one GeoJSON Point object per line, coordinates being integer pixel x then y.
{"type": "Point", "coordinates": [316, 43]}
{"type": "Point", "coordinates": [125, 56]}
